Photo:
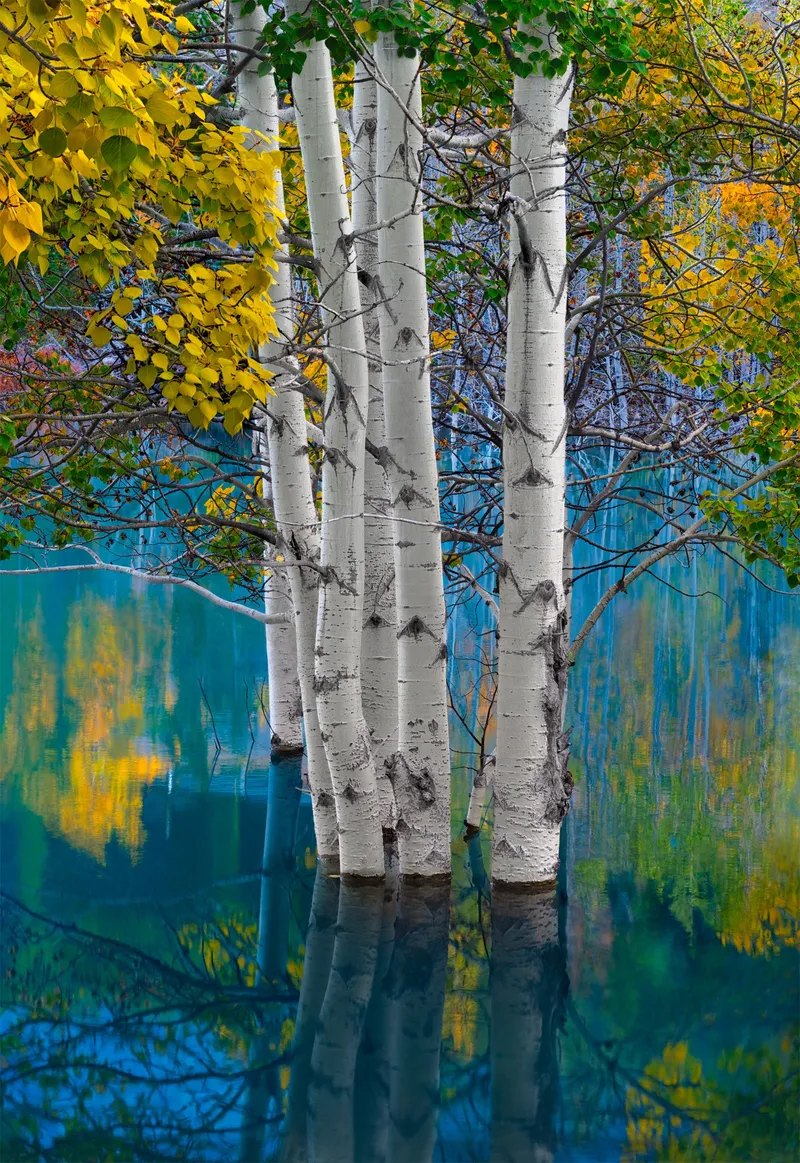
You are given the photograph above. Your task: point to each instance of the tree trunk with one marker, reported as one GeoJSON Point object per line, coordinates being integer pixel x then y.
{"type": "Point", "coordinates": [293, 501]}
{"type": "Point", "coordinates": [379, 634]}
{"type": "Point", "coordinates": [421, 767]}
{"type": "Point", "coordinates": [283, 684]}
{"type": "Point", "coordinates": [340, 616]}
{"type": "Point", "coordinates": [285, 705]}
{"type": "Point", "coordinates": [531, 783]}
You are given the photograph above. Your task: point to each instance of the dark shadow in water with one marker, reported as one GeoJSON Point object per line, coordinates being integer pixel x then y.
{"type": "Point", "coordinates": [529, 986]}
{"type": "Point", "coordinates": [264, 1097]}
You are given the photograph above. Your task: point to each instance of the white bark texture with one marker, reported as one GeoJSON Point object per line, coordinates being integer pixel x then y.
{"type": "Point", "coordinates": [531, 782]}
{"type": "Point", "coordinates": [379, 634]}
{"type": "Point", "coordinates": [285, 707]}
{"type": "Point", "coordinates": [290, 475]}
{"type": "Point", "coordinates": [283, 685]}
{"type": "Point", "coordinates": [341, 607]}
{"type": "Point", "coordinates": [477, 797]}
{"type": "Point", "coordinates": [421, 766]}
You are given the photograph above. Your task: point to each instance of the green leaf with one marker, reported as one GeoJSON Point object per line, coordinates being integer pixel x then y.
{"type": "Point", "coordinates": [53, 141]}
{"type": "Point", "coordinates": [118, 152]}
{"type": "Point", "coordinates": [117, 117]}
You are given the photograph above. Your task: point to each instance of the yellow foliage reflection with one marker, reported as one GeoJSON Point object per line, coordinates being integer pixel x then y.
{"type": "Point", "coordinates": [73, 745]}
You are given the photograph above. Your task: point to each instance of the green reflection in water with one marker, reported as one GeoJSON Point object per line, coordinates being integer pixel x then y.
{"type": "Point", "coordinates": [178, 983]}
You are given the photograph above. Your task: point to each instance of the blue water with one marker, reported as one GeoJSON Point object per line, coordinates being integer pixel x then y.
{"type": "Point", "coordinates": [180, 982]}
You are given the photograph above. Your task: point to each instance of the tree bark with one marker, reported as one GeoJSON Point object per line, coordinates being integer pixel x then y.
{"type": "Point", "coordinates": [420, 769]}
{"type": "Point", "coordinates": [379, 634]}
{"type": "Point", "coordinates": [531, 783]}
{"type": "Point", "coordinates": [341, 607]}
{"type": "Point", "coordinates": [283, 684]}
{"type": "Point", "coordinates": [292, 497]}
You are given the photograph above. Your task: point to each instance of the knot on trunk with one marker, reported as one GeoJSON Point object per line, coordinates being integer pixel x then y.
{"type": "Point", "coordinates": [408, 494]}
{"type": "Point", "coordinates": [558, 804]}
{"type": "Point", "coordinates": [415, 628]}
{"type": "Point", "coordinates": [546, 592]}
{"type": "Point", "coordinates": [325, 683]}
{"type": "Point", "coordinates": [533, 476]}
{"type": "Point", "coordinates": [415, 787]}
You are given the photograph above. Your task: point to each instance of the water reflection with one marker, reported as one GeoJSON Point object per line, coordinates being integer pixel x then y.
{"type": "Point", "coordinates": [180, 981]}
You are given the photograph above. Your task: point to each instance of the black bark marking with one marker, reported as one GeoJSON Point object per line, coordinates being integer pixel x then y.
{"type": "Point", "coordinates": [415, 628]}
{"type": "Point", "coordinates": [533, 476]}
{"type": "Point", "coordinates": [557, 777]}
{"type": "Point", "coordinates": [408, 495]}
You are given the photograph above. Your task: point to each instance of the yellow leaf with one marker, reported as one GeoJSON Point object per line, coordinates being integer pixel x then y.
{"type": "Point", "coordinates": [99, 335]}
{"type": "Point", "coordinates": [163, 111]}
{"type": "Point", "coordinates": [17, 236]}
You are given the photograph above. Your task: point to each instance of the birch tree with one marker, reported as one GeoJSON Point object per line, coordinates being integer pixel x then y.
{"type": "Point", "coordinates": [508, 334]}
{"type": "Point", "coordinates": [379, 635]}
{"type": "Point", "coordinates": [531, 782]}
{"type": "Point", "coordinates": [421, 766]}
{"type": "Point", "coordinates": [290, 479]}
{"type": "Point", "coordinates": [341, 607]}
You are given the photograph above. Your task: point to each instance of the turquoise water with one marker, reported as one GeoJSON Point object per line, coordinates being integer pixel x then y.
{"type": "Point", "coordinates": [180, 982]}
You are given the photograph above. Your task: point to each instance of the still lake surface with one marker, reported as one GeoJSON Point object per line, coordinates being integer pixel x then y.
{"type": "Point", "coordinates": [178, 981]}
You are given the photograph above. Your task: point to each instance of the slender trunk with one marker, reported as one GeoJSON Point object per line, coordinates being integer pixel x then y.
{"type": "Point", "coordinates": [283, 684]}
{"type": "Point", "coordinates": [477, 798]}
{"type": "Point", "coordinates": [341, 1021]}
{"type": "Point", "coordinates": [341, 607]}
{"type": "Point", "coordinates": [290, 473]}
{"type": "Point", "coordinates": [421, 767]}
{"type": "Point", "coordinates": [529, 982]}
{"type": "Point", "coordinates": [285, 704]}
{"type": "Point", "coordinates": [531, 782]}
{"type": "Point", "coordinates": [379, 634]}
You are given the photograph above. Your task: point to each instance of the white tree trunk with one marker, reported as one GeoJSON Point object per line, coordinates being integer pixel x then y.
{"type": "Point", "coordinates": [531, 783]}
{"type": "Point", "coordinates": [290, 475]}
{"type": "Point", "coordinates": [339, 624]}
{"type": "Point", "coordinates": [283, 685]}
{"type": "Point", "coordinates": [421, 767]}
{"type": "Point", "coordinates": [379, 634]}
